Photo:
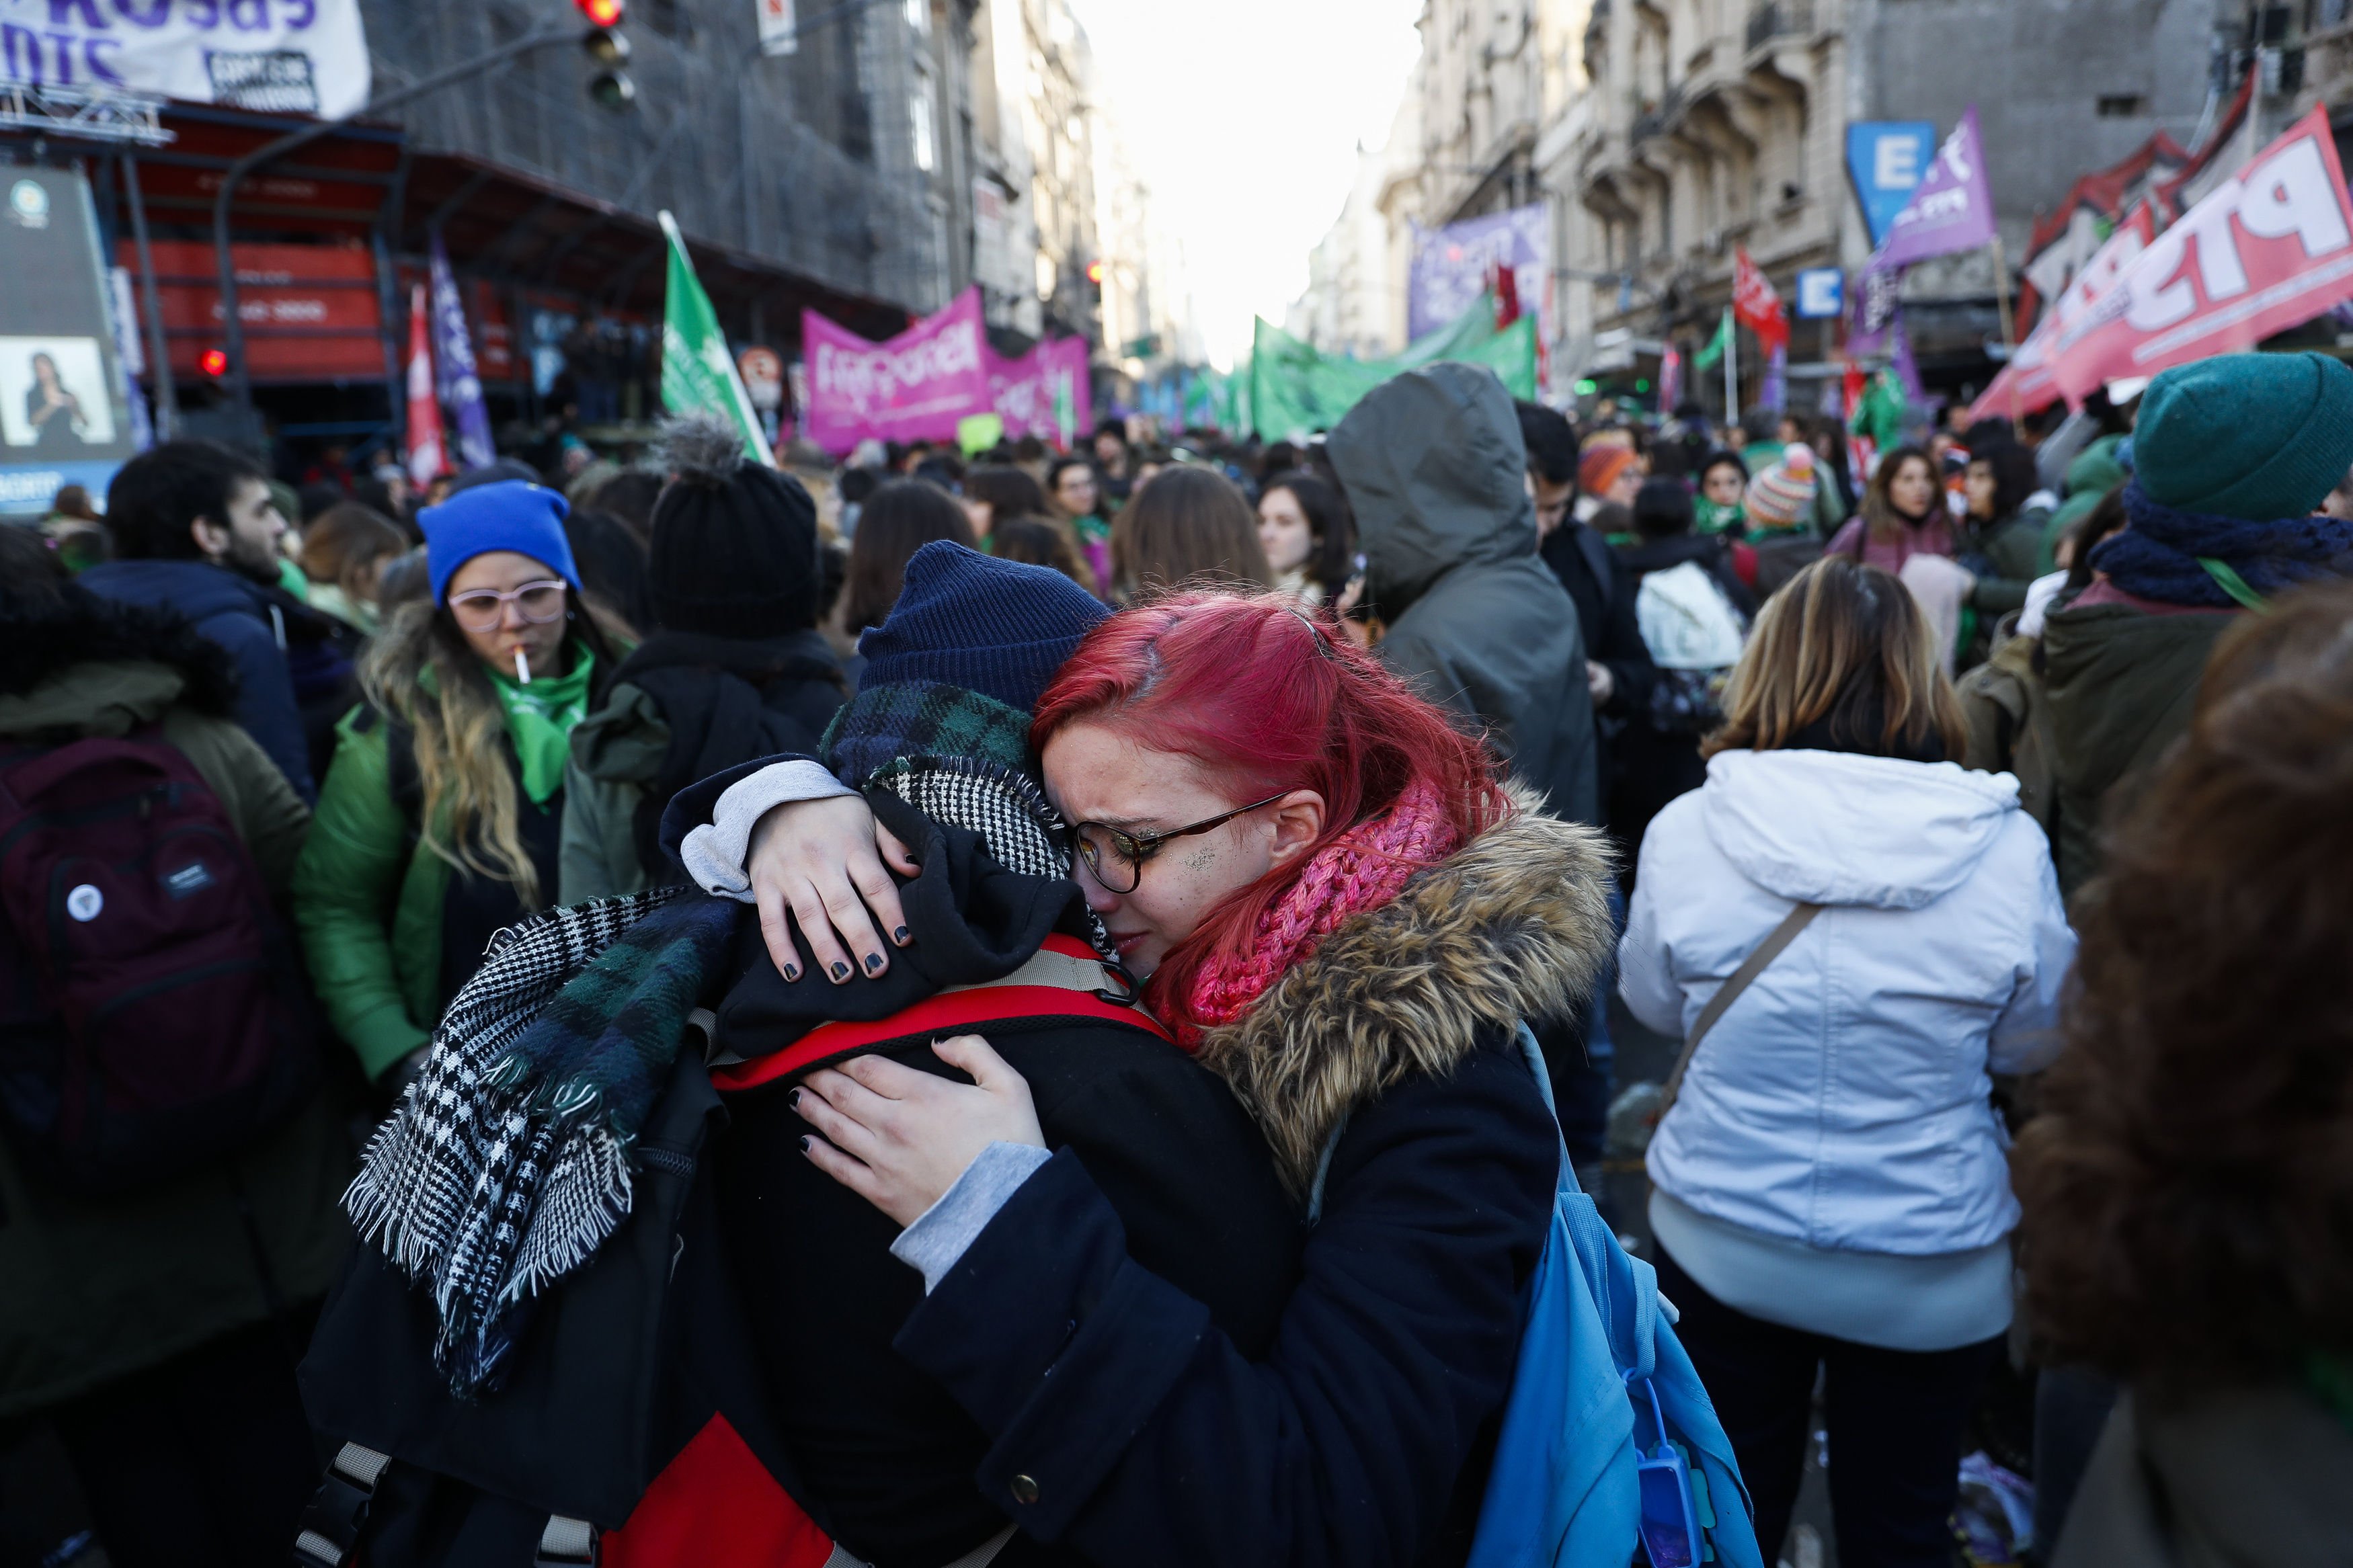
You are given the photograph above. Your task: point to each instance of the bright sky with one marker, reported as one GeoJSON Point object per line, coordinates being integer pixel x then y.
{"type": "Point", "coordinates": [1242, 117]}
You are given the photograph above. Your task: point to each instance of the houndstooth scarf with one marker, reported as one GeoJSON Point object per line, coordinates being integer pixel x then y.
{"type": "Point", "coordinates": [508, 1161]}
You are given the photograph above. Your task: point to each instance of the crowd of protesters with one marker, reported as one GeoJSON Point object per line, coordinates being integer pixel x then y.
{"type": "Point", "coordinates": [651, 848]}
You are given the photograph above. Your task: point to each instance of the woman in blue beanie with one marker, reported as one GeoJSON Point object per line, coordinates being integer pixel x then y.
{"type": "Point", "coordinates": [440, 817]}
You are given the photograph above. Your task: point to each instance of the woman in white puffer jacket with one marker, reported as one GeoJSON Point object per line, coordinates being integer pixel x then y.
{"type": "Point", "coordinates": [1830, 1186]}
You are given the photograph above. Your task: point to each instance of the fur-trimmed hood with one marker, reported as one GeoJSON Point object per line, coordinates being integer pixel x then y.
{"type": "Point", "coordinates": [43, 639]}
{"type": "Point", "coordinates": [1514, 925]}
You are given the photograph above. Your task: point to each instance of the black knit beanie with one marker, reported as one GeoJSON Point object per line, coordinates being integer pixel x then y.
{"type": "Point", "coordinates": [735, 541]}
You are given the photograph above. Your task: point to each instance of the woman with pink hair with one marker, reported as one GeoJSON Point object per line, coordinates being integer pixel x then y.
{"type": "Point", "coordinates": [1336, 906]}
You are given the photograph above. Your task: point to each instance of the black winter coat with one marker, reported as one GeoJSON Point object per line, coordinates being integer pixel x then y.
{"type": "Point", "coordinates": [1183, 1173]}
{"type": "Point", "coordinates": [1604, 591]}
{"type": "Point", "coordinates": [1127, 1425]}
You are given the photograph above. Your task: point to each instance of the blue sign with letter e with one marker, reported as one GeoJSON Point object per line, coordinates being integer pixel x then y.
{"type": "Point", "coordinates": [1821, 294]}
{"type": "Point", "coordinates": [1887, 159]}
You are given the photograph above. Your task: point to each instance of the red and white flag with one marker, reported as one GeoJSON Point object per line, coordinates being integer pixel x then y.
{"type": "Point", "coordinates": [1757, 304]}
{"type": "Point", "coordinates": [429, 459]}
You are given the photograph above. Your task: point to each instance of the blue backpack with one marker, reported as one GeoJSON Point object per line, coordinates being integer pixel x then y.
{"type": "Point", "coordinates": [1609, 1441]}
{"type": "Point", "coordinates": [1608, 1438]}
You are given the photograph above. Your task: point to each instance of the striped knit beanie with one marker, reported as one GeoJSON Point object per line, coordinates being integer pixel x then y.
{"type": "Point", "coordinates": [1782, 496]}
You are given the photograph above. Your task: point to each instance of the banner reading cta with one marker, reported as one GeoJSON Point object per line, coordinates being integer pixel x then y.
{"type": "Point", "coordinates": [2268, 249]}
{"type": "Point", "coordinates": [275, 56]}
{"type": "Point", "coordinates": [916, 388]}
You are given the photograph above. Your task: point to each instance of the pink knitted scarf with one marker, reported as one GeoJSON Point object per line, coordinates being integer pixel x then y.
{"type": "Point", "coordinates": [1362, 869]}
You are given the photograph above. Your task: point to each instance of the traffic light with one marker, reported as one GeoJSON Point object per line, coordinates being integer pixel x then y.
{"type": "Point", "coordinates": [1095, 273]}
{"type": "Point", "coordinates": [610, 88]}
{"type": "Point", "coordinates": [214, 362]}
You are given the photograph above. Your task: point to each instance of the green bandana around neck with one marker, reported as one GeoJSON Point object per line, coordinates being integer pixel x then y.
{"type": "Point", "coordinates": [1714, 517]}
{"type": "Point", "coordinates": [540, 719]}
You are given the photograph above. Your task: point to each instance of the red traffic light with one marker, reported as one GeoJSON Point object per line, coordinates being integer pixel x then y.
{"type": "Point", "coordinates": [1095, 273]}
{"type": "Point", "coordinates": [602, 12]}
{"type": "Point", "coordinates": [214, 362]}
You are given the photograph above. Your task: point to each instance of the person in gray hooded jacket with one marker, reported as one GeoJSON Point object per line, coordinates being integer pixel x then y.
{"type": "Point", "coordinates": [1433, 465]}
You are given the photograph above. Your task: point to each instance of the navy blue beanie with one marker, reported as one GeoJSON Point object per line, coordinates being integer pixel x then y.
{"type": "Point", "coordinates": [997, 627]}
{"type": "Point", "coordinates": [512, 514]}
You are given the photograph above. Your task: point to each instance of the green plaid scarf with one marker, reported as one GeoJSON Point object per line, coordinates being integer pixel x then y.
{"type": "Point", "coordinates": [884, 724]}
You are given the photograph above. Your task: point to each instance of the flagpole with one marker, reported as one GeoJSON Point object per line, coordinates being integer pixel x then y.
{"type": "Point", "coordinates": [2008, 333]}
{"type": "Point", "coordinates": [1732, 371]}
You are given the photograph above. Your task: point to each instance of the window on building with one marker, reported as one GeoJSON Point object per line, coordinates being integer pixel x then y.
{"type": "Point", "coordinates": [919, 15]}
{"type": "Point", "coordinates": [919, 118]}
{"type": "Point", "coordinates": [2122, 105]}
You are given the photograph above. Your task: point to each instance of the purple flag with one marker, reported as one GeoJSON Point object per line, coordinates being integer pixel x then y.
{"type": "Point", "coordinates": [1453, 265]}
{"type": "Point", "coordinates": [453, 355]}
{"type": "Point", "coordinates": [1952, 209]}
{"type": "Point", "coordinates": [1776, 396]}
{"type": "Point", "coordinates": [1906, 369]}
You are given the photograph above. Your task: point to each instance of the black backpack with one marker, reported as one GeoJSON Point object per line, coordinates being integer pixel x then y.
{"type": "Point", "coordinates": [152, 1013]}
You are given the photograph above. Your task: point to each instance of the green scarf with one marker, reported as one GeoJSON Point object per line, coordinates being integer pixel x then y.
{"type": "Point", "coordinates": [1713, 517]}
{"type": "Point", "coordinates": [539, 718]}
{"type": "Point", "coordinates": [1092, 529]}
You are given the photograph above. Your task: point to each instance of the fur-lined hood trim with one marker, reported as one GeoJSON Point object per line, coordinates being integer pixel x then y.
{"type": "Point", "coordinates": [43, 637]}
{"type": "Point", "coordinates": [1514, 926]}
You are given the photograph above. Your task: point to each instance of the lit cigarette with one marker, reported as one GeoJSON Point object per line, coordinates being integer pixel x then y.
{"type": "Point", "coordinates": [523, 668]}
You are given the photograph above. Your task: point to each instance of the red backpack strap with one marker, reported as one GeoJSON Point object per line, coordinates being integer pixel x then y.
{"type": "Point", "coordinates": [1063, 979]}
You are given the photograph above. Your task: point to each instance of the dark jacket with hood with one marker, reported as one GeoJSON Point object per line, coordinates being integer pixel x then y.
{"type": "Point", "coordinates": [1434, 466]}
{"type": "Point", "coordinates": [234, 612]}
{"type": "Point", "coordinates": [680, 708]}
{"type": "Point", "coordinates": [95, 1289]}
{"type": "Point", "coordinates": [1127, 1425]}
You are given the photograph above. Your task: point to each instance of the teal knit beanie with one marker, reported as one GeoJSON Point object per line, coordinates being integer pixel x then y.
{"type": "Point", "coordinates": [2255, 436]}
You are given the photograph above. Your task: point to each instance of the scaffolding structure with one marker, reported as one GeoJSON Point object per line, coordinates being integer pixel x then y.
{"type": "Point", "coordinates": [806, 159]}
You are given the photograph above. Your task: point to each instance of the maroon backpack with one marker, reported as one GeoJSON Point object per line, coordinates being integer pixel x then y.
{"type": "Point", "coordinates": [152, 1013]}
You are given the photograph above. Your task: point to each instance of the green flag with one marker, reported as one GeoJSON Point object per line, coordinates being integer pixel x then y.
{"type": "Point", "coordinates": [1705, 359]}
{"type": "Point", "coordinates": [1296, 388]}
{"type": "Point", "coordinates": [698, 375]}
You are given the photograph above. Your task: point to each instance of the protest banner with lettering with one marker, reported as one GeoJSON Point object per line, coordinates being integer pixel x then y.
{"type": "Point", "coordinates": [2269, 248]}
{"type": "Point", "coordinates": [2030, 382]}
{"type": "Point", "coordinates": [1453, 266]}
{"type": "Point", "coordinates": [274, 56]}
{"type": "Point", "coordinates": [916, 388]}
{"type": "Point", "coordinates": [1027, 393]}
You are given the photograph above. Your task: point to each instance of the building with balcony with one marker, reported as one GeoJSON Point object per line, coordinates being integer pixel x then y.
{"type": "Point", "coordinates": [1693, 127]}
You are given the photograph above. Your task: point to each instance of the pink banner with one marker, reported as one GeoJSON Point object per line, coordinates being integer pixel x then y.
{"type": "Point", "coordinates": [2268, 249]}
{"type": "Point", "coordinates": [2030, 382]}
{"type": "Point", "coordinates": [1044, 392]}
{"type": "Point", "coordinates": [915, 387]}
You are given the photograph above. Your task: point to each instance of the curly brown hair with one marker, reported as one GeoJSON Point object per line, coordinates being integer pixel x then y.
{"type": "Point", "coordinates": [2188, 1194]}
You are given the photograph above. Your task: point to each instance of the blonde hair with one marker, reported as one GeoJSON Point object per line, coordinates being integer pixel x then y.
{"type": "Point", "coordinates": [471, 813]}
{"type": "Point", "coordinates": [1842, 642]}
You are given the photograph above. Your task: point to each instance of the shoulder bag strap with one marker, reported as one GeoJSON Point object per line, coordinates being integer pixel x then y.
{"type": "Point", "coordinates": [1781, 936]}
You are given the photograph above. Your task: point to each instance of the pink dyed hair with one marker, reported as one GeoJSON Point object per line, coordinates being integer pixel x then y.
{"type": "Point", "coordinates": [1261, 698]}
